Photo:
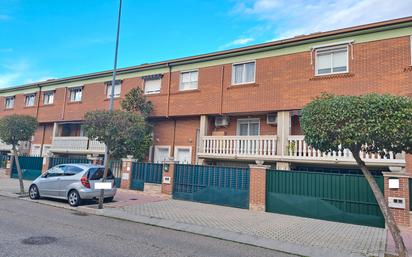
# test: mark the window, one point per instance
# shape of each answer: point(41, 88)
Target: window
point(48, 98)
point(152, 86)
point(29, 100)
point(97, 173)
point(183, 154)
point(332, 60)
point(161, 154)
point(9, 104)
point(248, 127)
point(243, 73)
point(188, 80)
point(410, 42)
point(56, 171)
point(117, 89)
point(71, 170)
point(76, 94)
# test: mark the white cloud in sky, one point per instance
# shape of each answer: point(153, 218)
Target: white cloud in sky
point(19, 72)
point(285, 19)
point(237, 42)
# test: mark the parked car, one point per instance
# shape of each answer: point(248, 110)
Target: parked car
point(74, 182)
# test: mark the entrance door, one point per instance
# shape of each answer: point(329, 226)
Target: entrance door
point(184, 155)
point(248, 127)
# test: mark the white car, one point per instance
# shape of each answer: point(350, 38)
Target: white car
point(74, 182)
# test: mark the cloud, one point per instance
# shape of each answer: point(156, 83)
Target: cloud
point(19, 72)
point(237, 42)
point(295, 17)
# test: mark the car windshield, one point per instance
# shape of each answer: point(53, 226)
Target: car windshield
point(97, 173)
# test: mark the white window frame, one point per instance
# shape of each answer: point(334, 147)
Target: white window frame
point(154, 92)
point(5, 102)
point(26, 97)
point(244, 73)
point(44, 97)
point(246, 120)
point(70, 94)
point(184, 148)
point(181, 80)
point(332, 48)
point(108, 90)
point(156, 147)
point(410, 44)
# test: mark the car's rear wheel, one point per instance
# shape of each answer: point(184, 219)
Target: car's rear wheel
point(34, 192)
point(74, 198)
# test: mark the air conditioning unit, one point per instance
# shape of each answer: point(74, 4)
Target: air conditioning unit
point(272, 118)
point(221, 121)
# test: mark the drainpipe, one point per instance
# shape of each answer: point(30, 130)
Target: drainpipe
point(64, 103)
point(168, 90)
point(38, 102)
point(174, 139)
point(221, 89)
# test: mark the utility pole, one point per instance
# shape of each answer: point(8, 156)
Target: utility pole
point(106, 152)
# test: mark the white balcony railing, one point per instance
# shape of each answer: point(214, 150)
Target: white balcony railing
point(264, 148)
point(4, 146)
point(239, 146)
point(299, 149)
point(76, 145)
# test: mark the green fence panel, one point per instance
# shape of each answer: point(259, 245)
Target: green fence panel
point(145, 173)
point(66, 160)
point(329, 196)
point(410, 194)
point(3, 160)
point(226, 186)
point(116, 168)
point(31, 167)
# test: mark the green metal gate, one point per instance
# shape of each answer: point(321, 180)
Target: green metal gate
point(116, 167)
point(328, 196)
point(145, 172)
point(31, 167)
point(211, 184)
point(53, 161)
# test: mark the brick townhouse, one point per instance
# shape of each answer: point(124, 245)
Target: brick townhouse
point(231, 107)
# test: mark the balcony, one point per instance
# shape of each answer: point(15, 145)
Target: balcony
point(4, 146)
point(297, 151)
point(76, 145)
point(238, 147)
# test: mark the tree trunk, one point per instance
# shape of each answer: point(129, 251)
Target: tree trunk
point(19, 172)
point(106, 171)
point(383, 205)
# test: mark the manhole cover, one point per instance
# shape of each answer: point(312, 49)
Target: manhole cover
point(133, 199)
point(39, 240)
point(80, 213)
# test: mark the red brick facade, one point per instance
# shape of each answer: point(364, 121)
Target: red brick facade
point(283, 82)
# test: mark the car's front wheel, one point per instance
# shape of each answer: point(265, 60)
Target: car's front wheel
point(34, 192)
point(74, 198)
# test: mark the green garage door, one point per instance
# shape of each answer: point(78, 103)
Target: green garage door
point(335, 197)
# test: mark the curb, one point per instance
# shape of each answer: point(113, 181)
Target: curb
point(199, 230)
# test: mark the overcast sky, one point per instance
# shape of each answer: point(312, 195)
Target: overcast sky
point(47, 39)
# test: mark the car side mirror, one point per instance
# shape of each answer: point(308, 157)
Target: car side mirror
point(44, 175)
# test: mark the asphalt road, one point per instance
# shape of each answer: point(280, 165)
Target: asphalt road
point(32, 229)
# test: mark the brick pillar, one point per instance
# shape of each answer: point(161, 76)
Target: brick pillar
point(408, 159)
point(394, 195)
point(126, 173)
point(46, 161)
point(9, 165)
point(167, 177)
point(257, 189)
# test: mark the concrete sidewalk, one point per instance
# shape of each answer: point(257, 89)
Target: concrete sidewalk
point(308, 237)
